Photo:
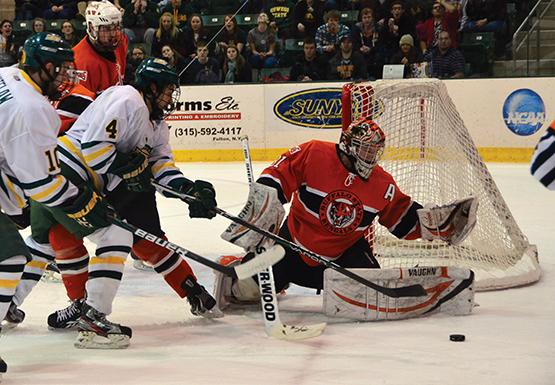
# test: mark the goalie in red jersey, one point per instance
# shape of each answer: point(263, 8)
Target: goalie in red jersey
point(336, 191)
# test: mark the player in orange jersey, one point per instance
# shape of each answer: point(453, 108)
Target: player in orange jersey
point(102, 52)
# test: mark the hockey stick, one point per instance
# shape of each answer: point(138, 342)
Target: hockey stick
point(394, 292)
point(242, 271)
point(270, 311)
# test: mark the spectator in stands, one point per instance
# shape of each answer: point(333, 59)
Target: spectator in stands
point(61, 9)
point(194, 33)
point(365, 41)
point(69, 34)
point(328, 35)
point(488, 16)
point(446, 61)
point(395, 25)
point(135, 57)
point(166, 34)
point(174, 59)
point(230, 35)
point(307, 15)
point(203, 69)
point(419, 9)
point(38, 25)
point(280, 13)
point(8, 49)
point(309, 66)
point(139, 21)
point(347, 65)
point(445, 17)
point(407, 54)
point(236, 69)
point(180, 10)
point(262, 44)
point(28, 9)
point(485, 16)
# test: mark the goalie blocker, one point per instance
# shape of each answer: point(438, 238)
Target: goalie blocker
point(450, 290)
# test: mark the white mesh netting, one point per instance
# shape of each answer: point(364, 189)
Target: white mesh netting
point(432, 157)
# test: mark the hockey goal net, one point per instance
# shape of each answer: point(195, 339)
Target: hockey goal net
point(432, 157)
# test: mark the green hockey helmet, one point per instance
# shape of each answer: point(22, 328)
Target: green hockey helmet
point(45, 47)
point(154, 70)
point(157, 71)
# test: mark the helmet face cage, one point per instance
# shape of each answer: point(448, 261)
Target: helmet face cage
point(43, 48)
point(156, 71)
point(104, 14)
point(364, 142)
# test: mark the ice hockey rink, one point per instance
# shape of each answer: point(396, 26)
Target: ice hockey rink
point(510, 337)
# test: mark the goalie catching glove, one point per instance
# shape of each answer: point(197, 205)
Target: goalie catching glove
point(450, 223)
point(200, 189)
point(264, 210)
point(134, 169)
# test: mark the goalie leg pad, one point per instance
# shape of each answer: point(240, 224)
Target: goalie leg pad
point(450, 290)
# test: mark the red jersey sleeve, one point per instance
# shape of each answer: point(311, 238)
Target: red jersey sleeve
point(399, 215)
point(287, 172)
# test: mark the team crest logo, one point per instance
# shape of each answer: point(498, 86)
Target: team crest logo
point(341, 212)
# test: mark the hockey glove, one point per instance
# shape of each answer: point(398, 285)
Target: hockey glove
point(450, 223)
point(134, 169)
point(203, 191)
point(22, 220)
point(88, 209)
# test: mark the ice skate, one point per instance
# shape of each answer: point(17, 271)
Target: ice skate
point(202, 303)
point(66, 318)
point(96, 332)
point(14, 316)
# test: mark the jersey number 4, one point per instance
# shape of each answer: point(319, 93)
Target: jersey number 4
point(111, 129)
point(53, 162)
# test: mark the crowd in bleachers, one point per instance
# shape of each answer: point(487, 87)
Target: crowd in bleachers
point(306, 40)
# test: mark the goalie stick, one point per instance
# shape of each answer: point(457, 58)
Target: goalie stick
point(394, 292)
point(245, 270)
point(270, 311)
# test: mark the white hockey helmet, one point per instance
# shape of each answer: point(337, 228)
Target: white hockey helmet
point(99, 13)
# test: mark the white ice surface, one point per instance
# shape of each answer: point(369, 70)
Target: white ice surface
point(510, 337)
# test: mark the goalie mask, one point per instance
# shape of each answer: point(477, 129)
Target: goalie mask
point(363, 142)
point(103, 25)
point(43, 48)
point(159, 85)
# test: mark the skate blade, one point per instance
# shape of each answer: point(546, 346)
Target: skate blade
point(91, 340)
point(51, 277)
point(141, 266)
point(215, 312)
point(7, 325)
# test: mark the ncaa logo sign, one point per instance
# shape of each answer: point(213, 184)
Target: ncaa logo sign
point(524, 112)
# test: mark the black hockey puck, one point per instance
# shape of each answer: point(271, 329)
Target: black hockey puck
point(457, 337)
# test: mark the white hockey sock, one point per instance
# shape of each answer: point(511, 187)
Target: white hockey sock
point(106, 268)
point(10, 274)
point(42, 254)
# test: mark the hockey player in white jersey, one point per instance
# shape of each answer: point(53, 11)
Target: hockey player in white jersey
point(122, 138)
point(28, 158)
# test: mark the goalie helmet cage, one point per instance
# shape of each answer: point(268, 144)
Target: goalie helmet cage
point(432, 157)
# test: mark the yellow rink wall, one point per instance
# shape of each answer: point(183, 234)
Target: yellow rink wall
point(210, 120)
